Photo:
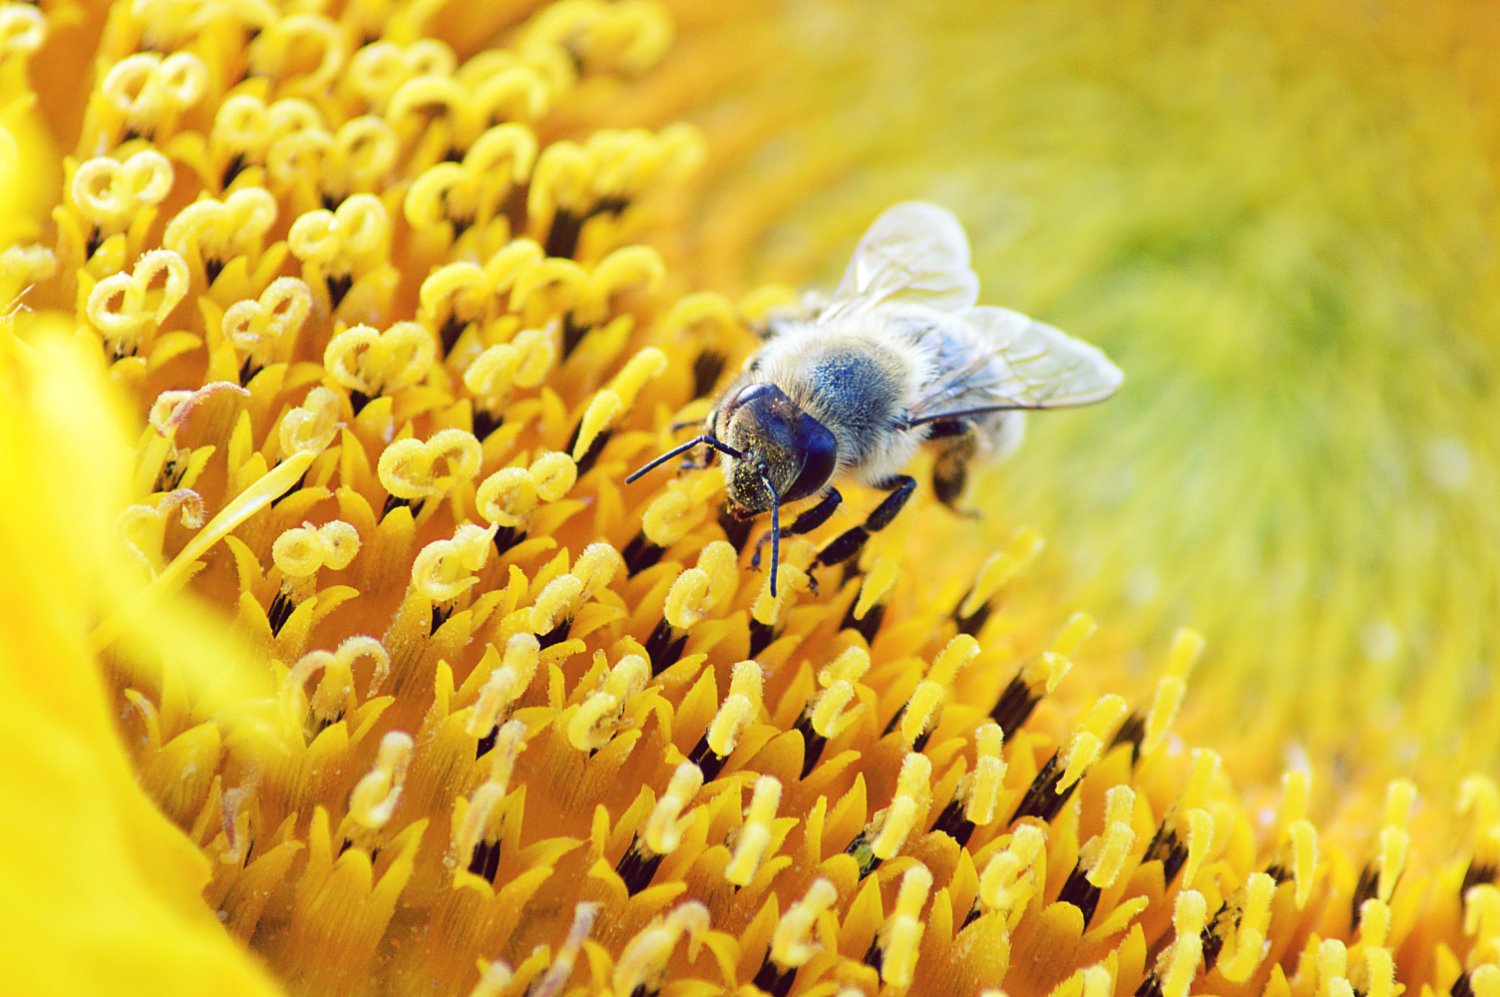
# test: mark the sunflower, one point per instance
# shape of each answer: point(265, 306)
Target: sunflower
point(340, 661)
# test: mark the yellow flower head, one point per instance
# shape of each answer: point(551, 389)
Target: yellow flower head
point(341, 662)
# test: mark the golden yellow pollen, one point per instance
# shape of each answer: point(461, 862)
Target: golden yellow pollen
point(755, 834)
point(793, 943)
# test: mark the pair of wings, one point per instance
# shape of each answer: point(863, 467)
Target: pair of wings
point(917, 254)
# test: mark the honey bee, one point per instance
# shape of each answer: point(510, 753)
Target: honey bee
point(900, 355)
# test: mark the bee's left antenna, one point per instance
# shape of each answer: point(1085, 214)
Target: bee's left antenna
point(684, 448)
point(775, 531)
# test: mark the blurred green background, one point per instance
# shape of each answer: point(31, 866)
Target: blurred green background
point(1280, 219)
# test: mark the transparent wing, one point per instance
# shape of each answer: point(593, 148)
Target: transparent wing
point(1022, 364)
point(914, 253)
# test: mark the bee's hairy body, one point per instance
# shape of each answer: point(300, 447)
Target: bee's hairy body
point(860, 380)
point(899, 355)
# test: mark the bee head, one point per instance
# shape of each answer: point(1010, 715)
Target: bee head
point(783, 447)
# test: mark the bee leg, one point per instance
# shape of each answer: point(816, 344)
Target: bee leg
point(809, 519)
point(951, 469)
point(851, 541)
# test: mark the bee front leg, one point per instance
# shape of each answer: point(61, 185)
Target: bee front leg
point(809, 519)
point(852, 541)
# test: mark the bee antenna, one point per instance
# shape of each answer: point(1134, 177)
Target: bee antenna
point(775, 530)
point(723, 448)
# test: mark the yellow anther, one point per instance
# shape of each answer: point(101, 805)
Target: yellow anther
point(1079, 628)
point(1245, 948)
point(420, 102)
point(1296, 786)
point(1097, 982)
point(643, 961)
point(598, 417)
point(957, 653)
point(1009, 878)
point(628, 677)
point(1400, 797)
point(908, 810)
point(556, 603)
point(364, 152)
point(281, 50)
point(1187, 648)
point(172, 408)
point(900, 937)
point(415, 469)
point(504, 153)
point(371, 362)
point(257, 327)
point(850, 666)
point(24, 265)
point(828, 717)
point(1046, 670)
point(1479, 798)
point(444, 569)
point(1000, 569)
point(299, 157)
point(443, 193)
point(378, 69)
point(721, 563)
point(1332, 962)
point(561, 178)
point(22, 30)
point(1088, 741)
point(596, 567)
point(242, 126)
point(1182, 958)
point(1304, 839)
point(687, 601)
point(143, 526)
point(480, 822)
point(222, 230)
point(646, 366)
point(740, 707)
point(555, 475)
point(548, 288)
point(754, 836)
point(1202, 770)
point(665, 825)
point(512, 261)
point(1379, 973)
point(355, 233)
point(794, 941)
point(510, 741)
point(111, 194)
point(1164, 706)
point(1484, 980)
point(594, 722)
point(1482, 913)
point(122, 306)
point(708, 311)
point(147, 90)
point(982, 792)
point(460, 287)
point(375, 796)
point(670, 516)
point(1105, 855)
point(506, 684)
point(630, 267)
point(508, 497)
point(1395, 844)
point(311, 426)
point(1200, 840)
point(512, 94)
point(301, 551)
point(921, 711)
